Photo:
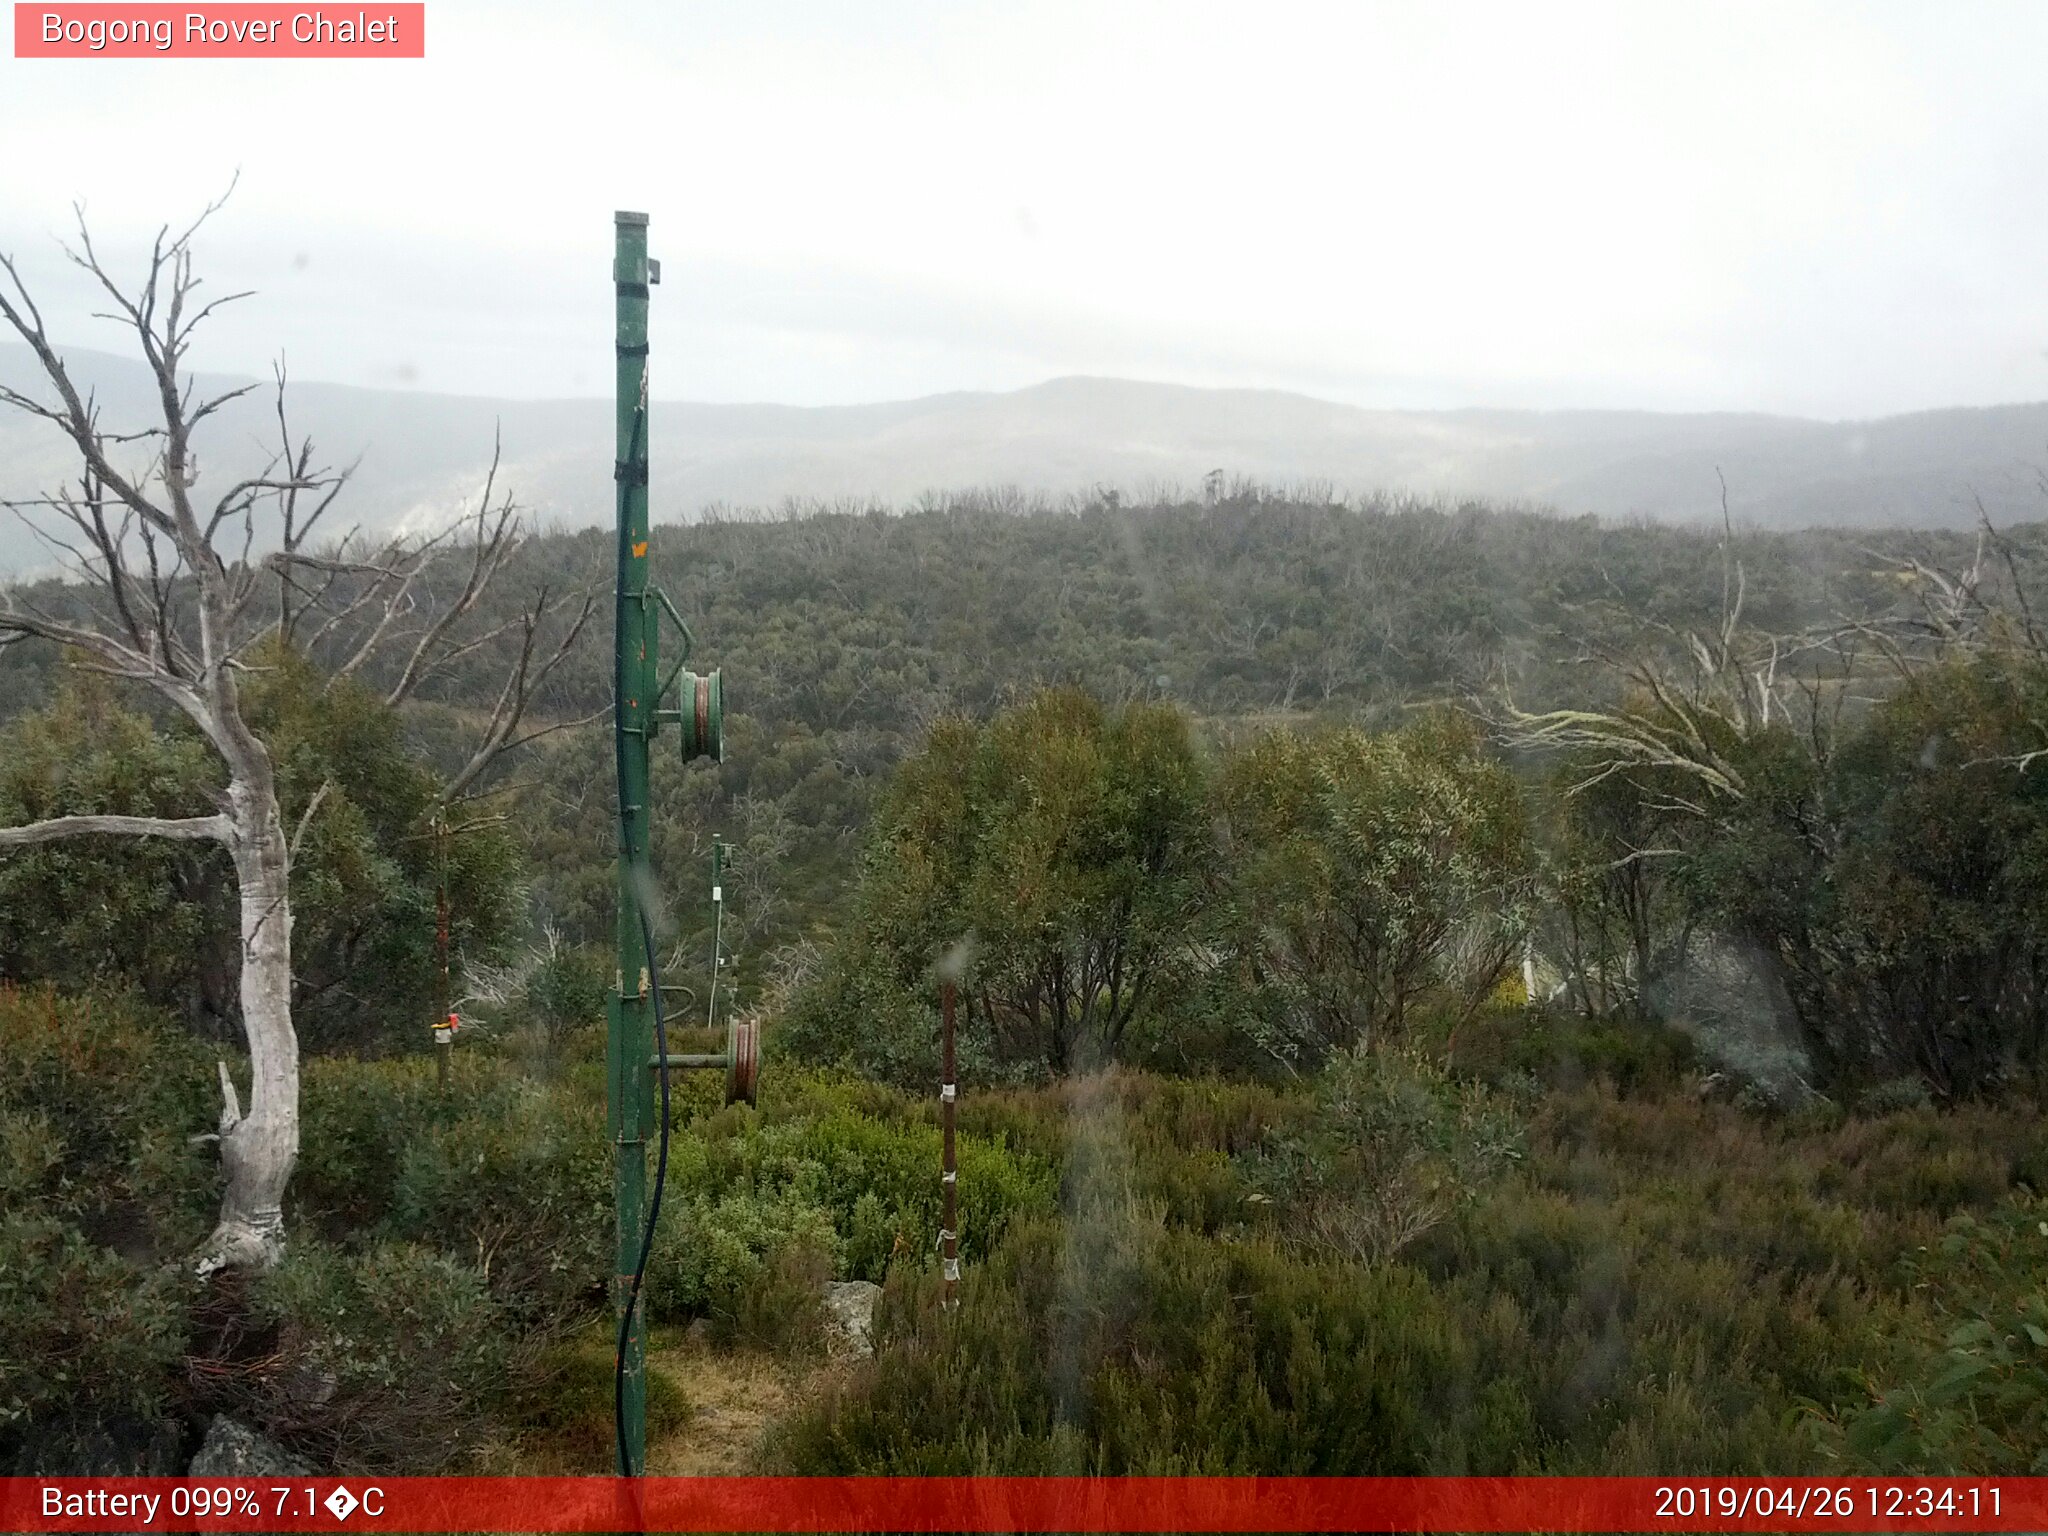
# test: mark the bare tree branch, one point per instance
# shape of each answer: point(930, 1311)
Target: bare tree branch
point(491, 544)
point(501, 735)
point(188, 828)
point(306, 816)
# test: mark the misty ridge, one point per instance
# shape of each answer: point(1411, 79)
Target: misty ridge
point(422, 455)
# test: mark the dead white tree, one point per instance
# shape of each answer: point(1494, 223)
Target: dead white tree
point(1692, 696)
point(170, 594)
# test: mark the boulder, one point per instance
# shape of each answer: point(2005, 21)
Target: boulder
point(233, 1450)
point(850, 1316)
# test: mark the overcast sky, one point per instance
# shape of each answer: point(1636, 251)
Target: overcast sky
point(1826, 210)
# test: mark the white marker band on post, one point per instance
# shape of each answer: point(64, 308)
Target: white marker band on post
point(949, 1177)
point(947, 1093)
point(948, 1236)
point(952, 1269)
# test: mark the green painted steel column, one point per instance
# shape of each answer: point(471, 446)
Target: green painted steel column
point(631, 1032)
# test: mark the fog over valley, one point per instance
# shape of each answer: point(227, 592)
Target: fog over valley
point(422, 454)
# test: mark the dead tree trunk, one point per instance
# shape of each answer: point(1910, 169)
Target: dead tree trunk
point(258, 1148)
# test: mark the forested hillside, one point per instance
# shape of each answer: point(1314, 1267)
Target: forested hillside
point(844, 635)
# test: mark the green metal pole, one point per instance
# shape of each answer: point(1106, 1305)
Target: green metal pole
point(630, 1040)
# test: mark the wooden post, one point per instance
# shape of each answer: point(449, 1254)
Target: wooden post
point(444, 1031)
point(949, 1176)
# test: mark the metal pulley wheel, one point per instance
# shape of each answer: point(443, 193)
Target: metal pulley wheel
point(742, 1060)
point(702, 715)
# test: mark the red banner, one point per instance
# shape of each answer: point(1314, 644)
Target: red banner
point(234, 31)
point(976, 1504)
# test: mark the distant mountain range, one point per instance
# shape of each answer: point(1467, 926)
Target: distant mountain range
point(422, 454)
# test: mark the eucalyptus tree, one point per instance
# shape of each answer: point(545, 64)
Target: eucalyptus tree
point(1366, 873)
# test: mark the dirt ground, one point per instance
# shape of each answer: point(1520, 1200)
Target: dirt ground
point(735, 1397)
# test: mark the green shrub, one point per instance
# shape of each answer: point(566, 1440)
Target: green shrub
point(1895, 1094)
point(31, 1158)
point(1396, 1147)
point(567, 990)
point(519, 1188)
point(1618, 1278)
point(1071, 841)
point(1372, 876)
point(102, 1100)
point(356, 1119)
point(1636, 1056)
point(855, 1014)
point(395, 1359)
point(1657, 1285)
point(881, 1180)
point(866, 1159)
point(1975, 1396)
point(784, 1307)
point(83, 1332)
point(159, 915)
point(1940, 1163)
point(1127, 1347)
point(567, 1395)
point(1685, 1279)
point(709, 1253)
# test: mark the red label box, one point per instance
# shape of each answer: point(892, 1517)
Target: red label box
point(234, 31)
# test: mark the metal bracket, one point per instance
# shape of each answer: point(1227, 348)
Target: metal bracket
point(668, 683)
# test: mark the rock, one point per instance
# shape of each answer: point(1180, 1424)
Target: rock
point(235, 1450)
point(850, 1316)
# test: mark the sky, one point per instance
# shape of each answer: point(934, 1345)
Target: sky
point(1825, 210)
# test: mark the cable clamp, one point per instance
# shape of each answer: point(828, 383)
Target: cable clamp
point(948, 1235)
point(630, 473)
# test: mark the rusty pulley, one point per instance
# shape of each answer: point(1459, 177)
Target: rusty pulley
point(742, 1060)
point(701, 714)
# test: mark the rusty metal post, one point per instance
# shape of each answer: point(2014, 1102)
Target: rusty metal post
point(949, 1175)
point(444, 1027)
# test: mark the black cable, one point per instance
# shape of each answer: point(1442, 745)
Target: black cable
point(654, 983)
point(653, 1206)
